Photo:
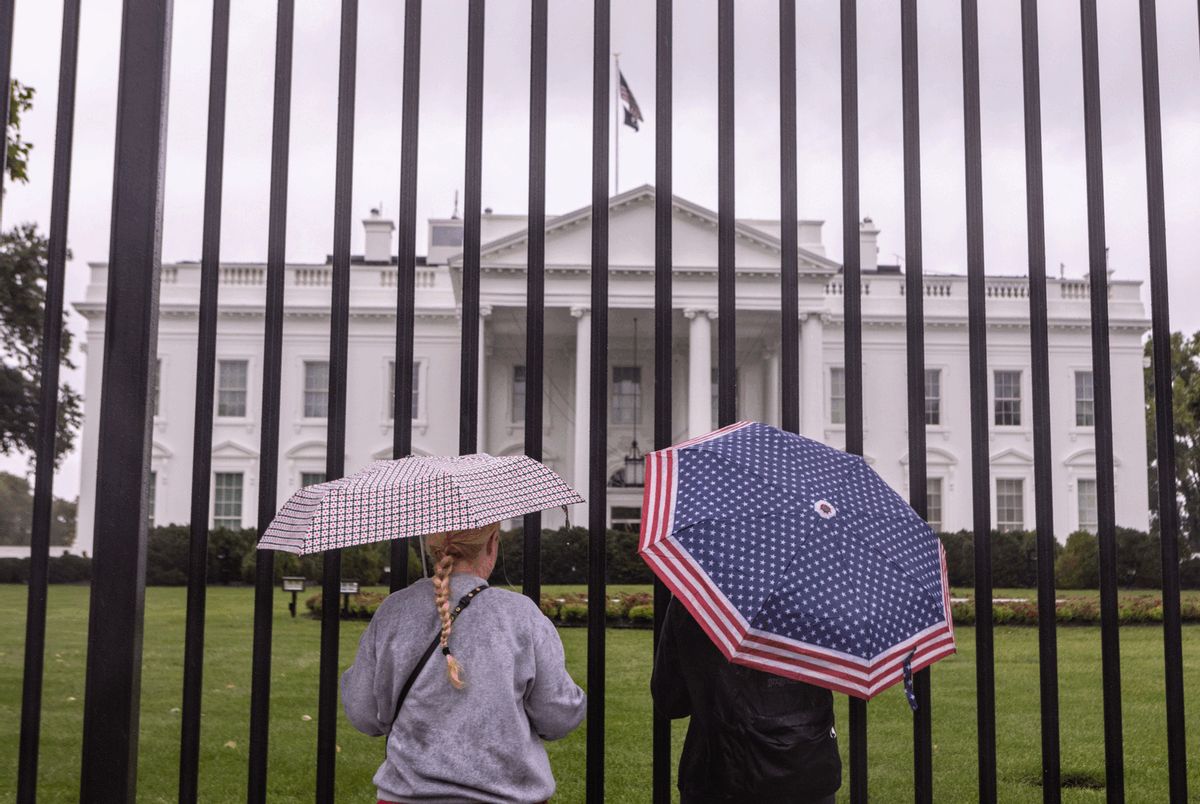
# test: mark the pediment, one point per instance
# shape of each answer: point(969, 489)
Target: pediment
point(934, 456)
point(1011, 457)
point(232, 449)
point(312, 450)
point(384, 453)
point(631, 228)
point(1085, 459)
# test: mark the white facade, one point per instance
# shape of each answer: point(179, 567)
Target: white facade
point(435, 424)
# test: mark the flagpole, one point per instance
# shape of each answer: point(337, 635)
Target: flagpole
point(617, 126)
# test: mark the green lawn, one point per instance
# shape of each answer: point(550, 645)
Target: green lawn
point(293, 743)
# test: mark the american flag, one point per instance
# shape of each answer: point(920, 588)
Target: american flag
point(797, 558)
point(633, 114)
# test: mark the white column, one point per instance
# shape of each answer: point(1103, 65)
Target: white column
point(482, 409)
point(812, 376)
point(699, 372)
point(583, 359)
point(771, 414)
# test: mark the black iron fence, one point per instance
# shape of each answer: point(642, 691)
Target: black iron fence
point(110, 725)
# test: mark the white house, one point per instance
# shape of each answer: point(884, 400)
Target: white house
point(437, 336)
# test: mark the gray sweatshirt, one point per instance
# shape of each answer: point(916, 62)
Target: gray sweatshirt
point(479, 743)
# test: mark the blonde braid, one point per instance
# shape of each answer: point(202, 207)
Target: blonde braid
point(441, 598)
point(450, 548)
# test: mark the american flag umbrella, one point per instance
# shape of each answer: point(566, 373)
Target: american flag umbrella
point(414, 497)
point(797, 558)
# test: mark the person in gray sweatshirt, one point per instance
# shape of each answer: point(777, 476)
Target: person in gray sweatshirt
point(471, 726)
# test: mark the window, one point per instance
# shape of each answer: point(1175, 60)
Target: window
point(1085, 400)
point(416, 390)
point(626, 518)
point(227, 500)
point(518, 394)
point(1089, 516)
point(626, 394)
point(155, 381)
point(1008, 398)
point(715, 396)
point(231, 388)
point(311, 478)
point(316, 389)
point(150, 499)
point(446, 234)
point(933, 497)
point(837, 395)
point(933, 396)
point(1010, 504)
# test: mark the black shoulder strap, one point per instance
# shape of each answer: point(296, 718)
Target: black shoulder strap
point(463, 602)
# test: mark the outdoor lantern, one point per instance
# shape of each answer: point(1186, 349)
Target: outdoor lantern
point(295, 585)
point(348, 588)
point(635, 466)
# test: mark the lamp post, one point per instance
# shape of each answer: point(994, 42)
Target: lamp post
point(635, 462)
point(295, 585)
point(348, 588)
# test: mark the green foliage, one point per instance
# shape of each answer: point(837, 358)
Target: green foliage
point(16, 514)
point(1077, 566)
point(642, 616)
point(23, 268)
point(20, 100)
point(1185, 388)
point(66, 568)
point(564, 556)
point(361, 606)
point(1014, 558)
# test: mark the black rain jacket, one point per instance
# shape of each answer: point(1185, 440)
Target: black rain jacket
point(753, 736)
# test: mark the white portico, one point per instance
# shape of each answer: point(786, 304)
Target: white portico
point(630, 389)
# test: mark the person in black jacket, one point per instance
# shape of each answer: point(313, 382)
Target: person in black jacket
point(753, 736)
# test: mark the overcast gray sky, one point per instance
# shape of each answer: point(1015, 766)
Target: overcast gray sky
point(376, 174)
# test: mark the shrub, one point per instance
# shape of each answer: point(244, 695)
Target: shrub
point(642, 615)
point(362, 605)
point(1077, 566)
point(574, 614)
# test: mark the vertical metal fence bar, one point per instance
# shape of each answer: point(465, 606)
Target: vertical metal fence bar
point(339, 336)
point(268, 467)
point(7, 12)
point(598, 405)
point(406, 266)
point(1039, 342)
point(210, 267)
point(535, 312)
point(664, 204)
point(468, 420)
point(114, 659)
point(726, 222)
point(789, 282)
point(1168, 506)
point(1105, 494)
point(51, 347)
point(852, 326)
point(915, 345)
point(985, 686)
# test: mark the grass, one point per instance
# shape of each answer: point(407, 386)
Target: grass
point(224, 733)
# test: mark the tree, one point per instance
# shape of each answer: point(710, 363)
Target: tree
point(1185, 387)
point(23, 265)
point(1077, 567)
point(17, 160)
point(16, 514)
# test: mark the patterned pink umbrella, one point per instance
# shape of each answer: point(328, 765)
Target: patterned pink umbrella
point(414, 497)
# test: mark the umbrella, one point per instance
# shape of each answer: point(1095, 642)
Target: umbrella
point(413, 497)
point(797, 558)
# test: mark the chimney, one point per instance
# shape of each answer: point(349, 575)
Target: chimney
point(377, 238)
point(868, 238)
